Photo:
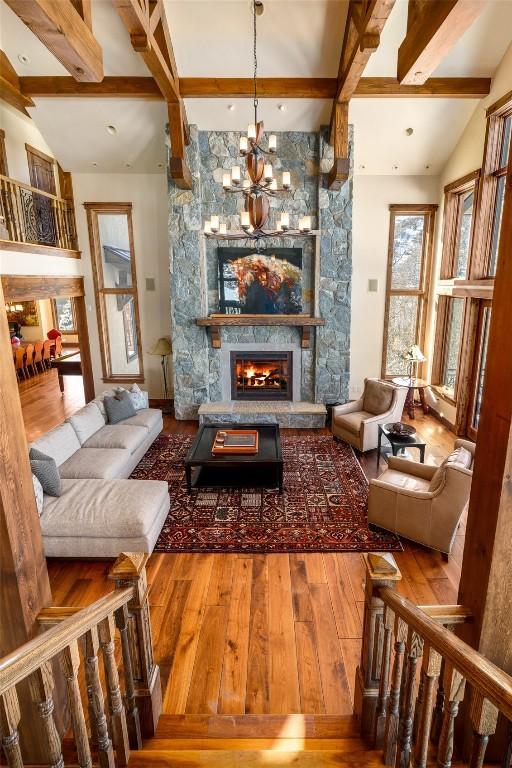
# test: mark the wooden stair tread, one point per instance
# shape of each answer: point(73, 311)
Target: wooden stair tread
point(254, 744)
point(257, 727)
point(360, 758)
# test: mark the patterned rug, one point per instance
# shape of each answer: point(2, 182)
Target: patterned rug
point(322, 508)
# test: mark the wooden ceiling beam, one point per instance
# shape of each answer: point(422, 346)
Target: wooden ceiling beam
point(268, 88)
point(10, 88)
point(433, 28)
point(67, 35)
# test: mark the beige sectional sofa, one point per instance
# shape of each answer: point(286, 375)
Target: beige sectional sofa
point(100, 512)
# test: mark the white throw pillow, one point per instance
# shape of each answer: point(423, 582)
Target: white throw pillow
point(86, 422)
point(38, 491)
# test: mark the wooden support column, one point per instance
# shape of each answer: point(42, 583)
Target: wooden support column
point(341, 165)
point(25, 585)
point(486, 578)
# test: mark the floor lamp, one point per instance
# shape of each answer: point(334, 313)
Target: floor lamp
point(163, 349)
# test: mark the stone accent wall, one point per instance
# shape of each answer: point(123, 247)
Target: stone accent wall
point(193, 266)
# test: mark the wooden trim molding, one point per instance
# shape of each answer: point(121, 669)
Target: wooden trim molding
point(466, 180)
point(500, 106)
point(41, 250)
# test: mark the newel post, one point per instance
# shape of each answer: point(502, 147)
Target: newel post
point(130, 570)
point(381, 571)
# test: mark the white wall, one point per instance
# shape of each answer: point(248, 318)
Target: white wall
point(370, 232)
point(148, 195)
point(20, 130)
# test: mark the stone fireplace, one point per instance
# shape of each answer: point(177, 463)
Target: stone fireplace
point(317, 358)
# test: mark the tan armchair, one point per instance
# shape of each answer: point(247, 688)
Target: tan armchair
point(423, 502)
point(358, 422)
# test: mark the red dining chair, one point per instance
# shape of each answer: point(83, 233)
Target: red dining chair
point(38, 356)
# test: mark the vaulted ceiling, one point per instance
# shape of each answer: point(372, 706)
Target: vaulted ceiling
point(296, 38)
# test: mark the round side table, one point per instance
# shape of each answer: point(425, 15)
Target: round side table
point(412, 385)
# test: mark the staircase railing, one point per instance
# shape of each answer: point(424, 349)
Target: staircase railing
point(33, 216)
point(75, 637)
point(413, 674)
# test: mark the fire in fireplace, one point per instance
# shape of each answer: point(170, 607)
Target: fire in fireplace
point(261, 376)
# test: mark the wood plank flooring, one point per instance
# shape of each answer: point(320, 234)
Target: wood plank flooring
point(259, 634)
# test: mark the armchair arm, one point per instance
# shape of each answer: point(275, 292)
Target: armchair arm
point(350, 407)
point(420, 495)
point(425, 471)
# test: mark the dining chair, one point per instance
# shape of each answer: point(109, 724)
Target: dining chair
point(29, 359)
point(57, 350)
point(47, 353)
point(38, 356)
point(19, 362)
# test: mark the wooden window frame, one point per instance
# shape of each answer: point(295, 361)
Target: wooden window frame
point(483, 305)
point(4, 168)
point(49, 159)
point(55, 317)
point(422, 292)
point(451, 225)
point(440, 348)
point(93, 210)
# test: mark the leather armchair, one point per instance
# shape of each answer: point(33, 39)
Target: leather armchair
point(358, 422)
point(421, 502)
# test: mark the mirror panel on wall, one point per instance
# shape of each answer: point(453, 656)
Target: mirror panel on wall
point(115, 284)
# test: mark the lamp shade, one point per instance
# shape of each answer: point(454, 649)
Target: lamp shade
point(414, 355)
point(162, 348)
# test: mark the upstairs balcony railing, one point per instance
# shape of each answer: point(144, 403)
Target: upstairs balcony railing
point(32, 216)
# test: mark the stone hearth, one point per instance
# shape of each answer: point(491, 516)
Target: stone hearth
point(286, 414)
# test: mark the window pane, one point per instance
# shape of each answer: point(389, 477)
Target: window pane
point(64, 315)
point(402, 322)
point(505, 146)
point(466, 201)
point(121, 334)
point(481, 367)
point(115, 250)
point(496, 227)
point(407, 251)
point(452, 342)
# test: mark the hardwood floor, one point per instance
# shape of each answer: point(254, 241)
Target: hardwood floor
point(257, 634)
point(43, 404)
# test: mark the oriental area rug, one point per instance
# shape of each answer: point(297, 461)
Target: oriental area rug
point(322, 508)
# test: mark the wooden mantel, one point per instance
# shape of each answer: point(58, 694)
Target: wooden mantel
point(215, 323)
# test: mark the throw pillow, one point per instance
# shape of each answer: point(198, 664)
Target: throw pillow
point(119, 407)
point(38, 492)
point(46, 471)
point(139, 398)
point(378, 397)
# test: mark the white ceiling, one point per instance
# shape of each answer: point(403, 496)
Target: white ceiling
point(296, 38)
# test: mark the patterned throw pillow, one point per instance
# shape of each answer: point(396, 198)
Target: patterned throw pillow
point(119, 407)
point(46, 471)
point(38, 492)
point(139, 398)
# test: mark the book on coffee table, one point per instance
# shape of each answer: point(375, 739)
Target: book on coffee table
point(235, 441)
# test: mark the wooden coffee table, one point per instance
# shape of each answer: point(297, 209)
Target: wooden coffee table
point(261, 470)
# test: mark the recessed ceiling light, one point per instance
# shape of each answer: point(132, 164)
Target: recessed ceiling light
point(128, 165)
point(231, 107)
point(281, 107)
point(95, 164)
point(395, 167)
point(362, 167)
point(409, 131)
point(23, 58)
point(160, 165)
point(427, 167)
point(111, 129)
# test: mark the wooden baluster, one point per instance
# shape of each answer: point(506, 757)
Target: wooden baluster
point(41, 687)
point(132, 713)
point(115, 699)
point(484, 718)
point(430, 670)
point(70, 664)
point(392, 720)
point(130, 570)
point(437, 716)
point(96, 700)
point(414, 652)
point(454, 685)
point(9, 723)
point(382, 701)
point(380, 572)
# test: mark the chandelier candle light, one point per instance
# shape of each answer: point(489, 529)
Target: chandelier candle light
point(260, 185)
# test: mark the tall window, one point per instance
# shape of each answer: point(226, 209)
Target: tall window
point(409, 261)
point(459, 209)
point(64, 315)
point(450, 319)
point(480, 361)
point(115, 284)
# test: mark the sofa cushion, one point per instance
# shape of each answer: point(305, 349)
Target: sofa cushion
point(99, 463)
point(129, 438)
point(377, 397)
point(46, 471)
point(404, 481)
point(352, 421)
point(149, 418)
point(86, 422)
point(103, 508)
point(119, 407)
point(60, 443)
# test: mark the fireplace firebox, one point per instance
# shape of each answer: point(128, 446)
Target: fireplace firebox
point(261, 376)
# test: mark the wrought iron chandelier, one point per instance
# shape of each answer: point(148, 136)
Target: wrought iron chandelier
point(260, 183)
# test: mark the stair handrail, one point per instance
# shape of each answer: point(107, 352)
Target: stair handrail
point(396, 713)
point(134, 712)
